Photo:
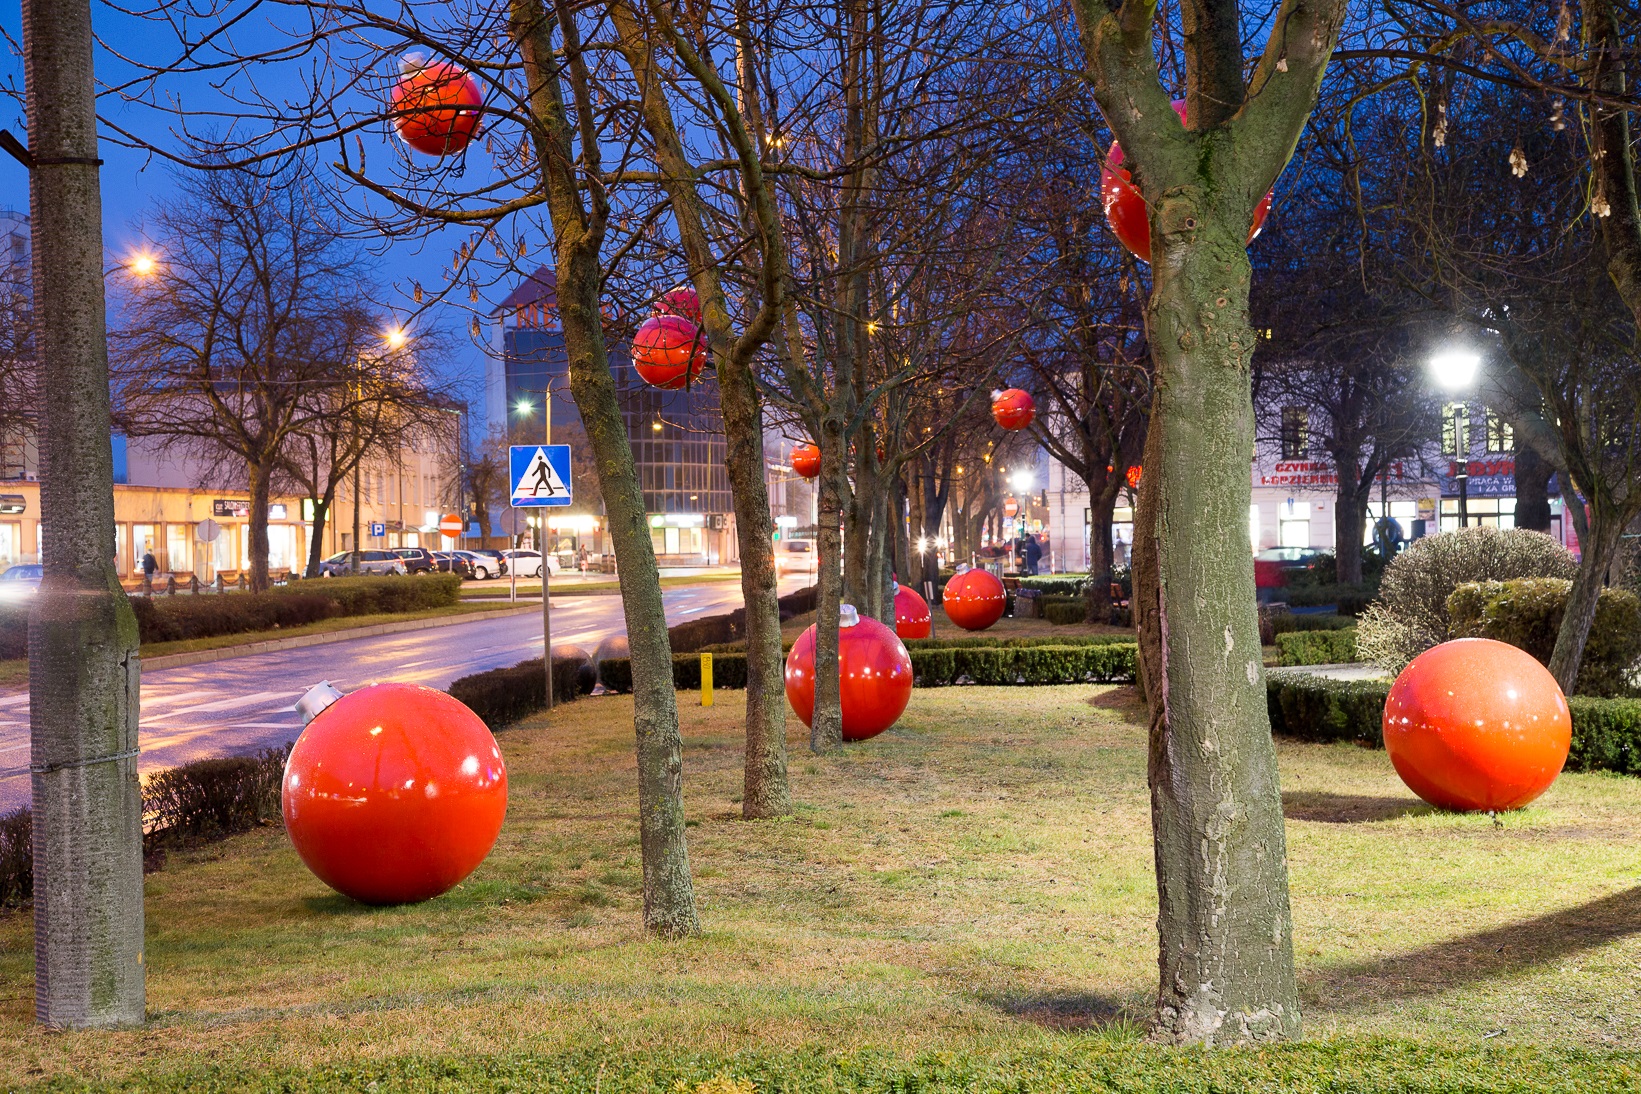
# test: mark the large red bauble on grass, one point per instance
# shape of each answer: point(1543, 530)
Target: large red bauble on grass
point(912, 616)
point(668, 351)
point(1477, 725)
point(437, 105)
point(683, 301)
point(806, 460)
point(1013, 409)
point(1125, 209)
point(394, 793)
point(974, 599)
point(874, 676)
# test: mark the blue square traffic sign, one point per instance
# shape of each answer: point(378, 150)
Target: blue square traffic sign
point(540, 475)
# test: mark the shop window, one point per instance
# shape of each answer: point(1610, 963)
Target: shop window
point(1294, 524)
point(1295, 432)
point(122, 549)
point(176, 548)
point(143, 541)
point(1500, 436)
point(11, 536)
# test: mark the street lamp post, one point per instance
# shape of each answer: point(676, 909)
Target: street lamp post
point(1455, 370)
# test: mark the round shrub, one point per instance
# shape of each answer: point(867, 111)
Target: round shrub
point(1527, 614)
point(1410, 614)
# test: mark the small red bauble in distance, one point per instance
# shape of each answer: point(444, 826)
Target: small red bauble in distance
point(912, 616)
point(1013, 409)
point(394, 794)
point(974, 598)
point(1125, 209)
point(874, 676)
point(437, 105)
point(668, 351)
point(1134, 473)
point(1477, 725)
point(806, 460)
point(683, 301)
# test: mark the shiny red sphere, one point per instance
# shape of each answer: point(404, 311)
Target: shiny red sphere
point(912, 616)
point(437, 106)
point(974, 599)
point(874, 678)
point(1477, 725)
point(1125, 209)
point(683, 301)
point(394, 793)
point(806, 460)
point(668, 351)
point(1014, 409)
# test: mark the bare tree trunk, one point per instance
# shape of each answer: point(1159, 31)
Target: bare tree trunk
point(1349, 521)
point(826, 726)
point(1598, 543)
point(256, 530)
point(1100, 608)
point(83, 663)
point(1532, 489)
point(316, 543)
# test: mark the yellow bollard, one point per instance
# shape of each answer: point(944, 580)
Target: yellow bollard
point(706, 679)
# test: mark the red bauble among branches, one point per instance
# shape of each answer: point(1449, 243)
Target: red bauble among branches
point(437, 105)
point(668, 351)
point(874, 676)
point(1014, 408)
point(806, 460)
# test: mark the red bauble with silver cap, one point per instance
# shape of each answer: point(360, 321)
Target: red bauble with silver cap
point(683, 301)
point(806, 460)
point(974, 599)
point(437, 105)
point(392, 794)
point(668, 351)
point(912, 616)
point(874, 675)
point(1125, 209)
point(1013, 409)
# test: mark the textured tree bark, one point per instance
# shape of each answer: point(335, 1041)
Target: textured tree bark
point(316, 541)
point(1349, 517)
point(1532, 489)
point(826, 726)
point(669, 894)
point(1100, 608)
point(1598, 544)
point(256, 530)
point(83, 664)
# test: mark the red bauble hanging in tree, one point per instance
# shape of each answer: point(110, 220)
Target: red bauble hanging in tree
point(683, 301)
point(874, 676)
point(1477, 725)
point(912, 616)
point(394, 793)
point(668, 351)
point(806, 460)
point(437, 105)
point(1125, 209)
point(974, 598)
point(1013, 409)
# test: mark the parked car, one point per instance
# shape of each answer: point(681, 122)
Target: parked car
point(418, 560)
point(481, 567)
point(498, 558)
point(370, 562)
point(1274, 565)
point(447, 563)
point(795, 554)
point(528, 563)
point(20, 582)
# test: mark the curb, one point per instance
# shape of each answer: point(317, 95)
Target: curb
point(205, 657)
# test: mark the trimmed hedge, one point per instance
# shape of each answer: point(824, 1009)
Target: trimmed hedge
point(1350, 599)
point(1065, 612)
point(1606, 732)
point(1043, 663)
point(980, 641)
point(13, 633)
point(16, 858)
point(1285, 622)
point(1323, 647)
point(504, 696)
point(377, 595)
point(1527, 613)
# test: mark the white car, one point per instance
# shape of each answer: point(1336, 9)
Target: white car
point(21, 582)
point(794, 555)
point(527, 563)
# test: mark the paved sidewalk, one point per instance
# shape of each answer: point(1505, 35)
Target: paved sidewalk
point(1358, 670)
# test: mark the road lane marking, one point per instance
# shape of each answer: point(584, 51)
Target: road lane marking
point(237, 701)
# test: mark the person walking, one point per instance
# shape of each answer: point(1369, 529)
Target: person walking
point(149, 566)
point(1033, 553)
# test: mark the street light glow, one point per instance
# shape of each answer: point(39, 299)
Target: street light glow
point(143, 264)
point(524, 407)
point(1455, 368)
point(395, 337)
point(1022, 481)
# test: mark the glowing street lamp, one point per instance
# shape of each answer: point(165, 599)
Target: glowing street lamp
point(395, 337)
point(143, 264)
point(1455, 370)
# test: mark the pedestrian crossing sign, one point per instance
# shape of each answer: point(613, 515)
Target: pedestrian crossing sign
point(540, 474)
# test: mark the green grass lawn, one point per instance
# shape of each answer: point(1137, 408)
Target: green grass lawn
point(15, 673)
point(964, 903)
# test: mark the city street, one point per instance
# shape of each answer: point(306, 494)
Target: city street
point(246, 703)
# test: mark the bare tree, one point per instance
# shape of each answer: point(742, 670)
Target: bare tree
point(19, 372)
point(83, 663)
point(251, 331)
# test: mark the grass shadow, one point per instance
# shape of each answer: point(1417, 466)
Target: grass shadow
point(1481, 955)
point(1064, 1011)
point(1317, 805)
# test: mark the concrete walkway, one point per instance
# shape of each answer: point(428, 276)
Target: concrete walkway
point(1358, 670)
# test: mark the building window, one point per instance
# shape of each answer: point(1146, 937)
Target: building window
point(1455, 416)
point(1294, 524)
point(1295, 432)
point(1500, 437)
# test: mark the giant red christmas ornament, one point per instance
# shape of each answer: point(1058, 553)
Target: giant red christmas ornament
point(874, 676)
point(912, 616)
point(806, 460)
point(668, 351)
point(1125, 209)
point(974, 598)
point(394, 793)
point(1476, 724)
point(683, 301)
point(437, 105)
point(1013, 409)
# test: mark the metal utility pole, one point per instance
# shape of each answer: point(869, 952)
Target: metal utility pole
point(546, 601)
point(83, 660)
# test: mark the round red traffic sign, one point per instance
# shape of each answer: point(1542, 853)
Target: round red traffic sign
point(1011, 508)
point(450, 526)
